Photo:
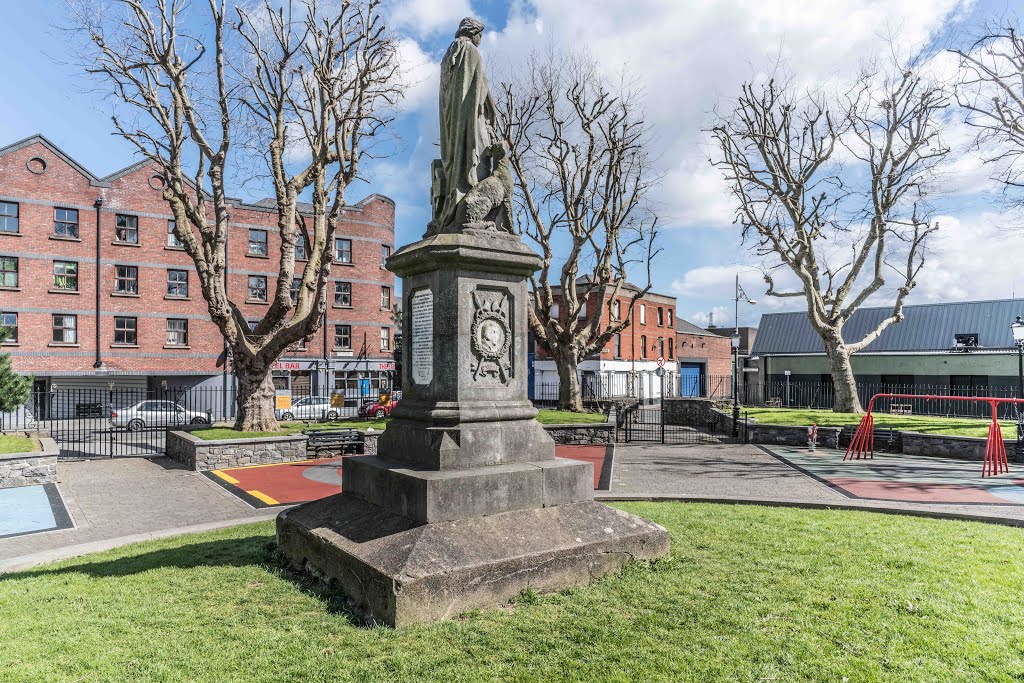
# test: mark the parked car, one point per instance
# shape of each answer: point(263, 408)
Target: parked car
point(309, 408)
point(155, 414)
point(377, 409)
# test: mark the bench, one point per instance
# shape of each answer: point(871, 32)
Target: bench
point(901, 409)
point(886, 439)
point(773, 403)
point(333, 440)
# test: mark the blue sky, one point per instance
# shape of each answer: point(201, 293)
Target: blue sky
point(686, 54)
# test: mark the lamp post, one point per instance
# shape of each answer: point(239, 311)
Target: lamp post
point(740, 296)
point(1017, 328)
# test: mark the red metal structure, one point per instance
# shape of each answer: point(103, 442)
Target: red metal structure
point(863, 443)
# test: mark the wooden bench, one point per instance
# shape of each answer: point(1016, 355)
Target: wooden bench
point(773, 403)
point(886, 439)
point(901, 409)
point(333, 440)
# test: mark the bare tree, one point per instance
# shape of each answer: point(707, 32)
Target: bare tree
point(312, 76)
point(992, 94)
point(578, 147)
point(838, 230)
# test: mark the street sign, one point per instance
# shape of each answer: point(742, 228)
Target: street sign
point(661, 361)
point(660, 372)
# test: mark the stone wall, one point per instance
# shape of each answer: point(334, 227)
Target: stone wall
point(689, 412)
point(778, 435)
point(199, 455)
point(29, 469)
point(961, 447)
point(370, 442)
point(581, 434)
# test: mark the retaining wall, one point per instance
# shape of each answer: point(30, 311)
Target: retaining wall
point(577, 434)
point(30, 469)
point(199, 455)
point(960, 447)
point(785, 435)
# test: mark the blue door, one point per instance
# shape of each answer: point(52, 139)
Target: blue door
point(690, 375)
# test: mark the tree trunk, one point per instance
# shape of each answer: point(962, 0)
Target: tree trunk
point(255, 398)
point(569, 394)
point(846, 398)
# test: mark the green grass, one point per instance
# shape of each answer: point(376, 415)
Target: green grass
point(17, 444)
point(289, 428)
point(951, 426)
point(747, 594)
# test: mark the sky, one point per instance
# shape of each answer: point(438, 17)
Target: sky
point(686, 54)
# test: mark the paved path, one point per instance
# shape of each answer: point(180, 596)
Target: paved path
point(731, 473)
point(127, 498)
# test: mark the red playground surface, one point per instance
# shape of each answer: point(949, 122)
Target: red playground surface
point(298, 482)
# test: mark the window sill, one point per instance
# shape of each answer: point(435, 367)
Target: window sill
point(6, 233)
point(171, 297)
point(344, 308)
point(257, 302)
point(176, 346)
point(342, 349)
point(135, 245)
point(170, 248)
point(124, 295)
point(64, 345)
point(257, 256)
point(10, 289)
point(73, 292)
point(62, 238)
point(124, 346)
point(10, 344)
point(343, 263)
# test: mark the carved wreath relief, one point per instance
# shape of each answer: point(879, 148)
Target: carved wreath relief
point(491, 336)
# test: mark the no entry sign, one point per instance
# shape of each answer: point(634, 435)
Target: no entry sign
point(661, 361)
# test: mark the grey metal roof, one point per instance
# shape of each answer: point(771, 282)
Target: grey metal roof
point(686, 327)
point(925, 327)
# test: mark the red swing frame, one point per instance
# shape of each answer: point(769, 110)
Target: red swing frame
point(863, 443)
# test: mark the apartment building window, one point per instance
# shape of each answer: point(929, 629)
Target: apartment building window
point(177, 332)
point(342, 250)
point(670, 323)
point(126, 229)
point(643, 314)
point(343, 294)
point(385, 298)
point(9, 322)
point(301, 249)
point(385, 339)
point(343, 336)
point(583, 310)
point(65, 223)
point(8, 271)
point(618, 346)
point(126, 279)
point(257, 288)
point(616, 310)
point(257, 243)
point(643, 344)
point(294, 291)
point(65, 329)
point(671, 349)
point(385, 253)
point(172, 240)
point(126, 331)
point(177, 283)
point(8, 217)
point(661, 316)
point(65, 276)
point(661, 347)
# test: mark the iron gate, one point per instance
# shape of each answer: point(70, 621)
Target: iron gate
point(647, 424)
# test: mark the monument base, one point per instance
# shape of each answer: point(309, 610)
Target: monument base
point(397, 572)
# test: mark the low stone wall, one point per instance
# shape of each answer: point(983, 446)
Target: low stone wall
point(30, 469)
point(784, 435)
point(370, 442)
point(960, 447)
point(199, 455)
point(689, 412)
point(581, 434)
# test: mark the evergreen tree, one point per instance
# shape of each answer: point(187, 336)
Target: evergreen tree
point(14, 388)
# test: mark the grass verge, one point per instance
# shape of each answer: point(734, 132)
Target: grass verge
point(17, 444)
point(950, 426)
point(747, 594)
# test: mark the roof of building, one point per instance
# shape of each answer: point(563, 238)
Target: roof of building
point(925, 327)
point(583, 282)
point(686, 327)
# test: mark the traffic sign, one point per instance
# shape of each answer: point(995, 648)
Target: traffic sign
point(660, 372)
point(661, 361)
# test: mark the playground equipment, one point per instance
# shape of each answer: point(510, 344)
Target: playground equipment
point(863, 443)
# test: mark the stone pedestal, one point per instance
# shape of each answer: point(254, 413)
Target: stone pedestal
point(465, 504)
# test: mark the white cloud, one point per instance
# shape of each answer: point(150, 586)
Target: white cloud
point(426, 17)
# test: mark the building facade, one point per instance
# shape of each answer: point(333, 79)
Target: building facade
point(628, 364)
point(965, 348)
point(100, 293)
point(705, 361)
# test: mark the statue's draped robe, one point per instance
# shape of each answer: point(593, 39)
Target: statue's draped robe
point(467, 122)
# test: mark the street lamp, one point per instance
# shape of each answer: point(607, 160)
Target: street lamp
point(735, 394)
point(1017, 328)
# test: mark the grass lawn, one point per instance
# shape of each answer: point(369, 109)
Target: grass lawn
point(214, 433)
point(953, 426)
point(747, 594)
point(17, 444)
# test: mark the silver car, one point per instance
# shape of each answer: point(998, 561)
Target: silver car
point(309, 408)
point(154, 414)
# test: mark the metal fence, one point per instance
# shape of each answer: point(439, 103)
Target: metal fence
point(821, 395)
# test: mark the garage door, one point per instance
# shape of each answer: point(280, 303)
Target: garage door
point(690, 376)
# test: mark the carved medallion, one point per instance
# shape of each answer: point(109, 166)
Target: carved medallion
point(491, 336)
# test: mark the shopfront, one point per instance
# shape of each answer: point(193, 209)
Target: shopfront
point(359, 380)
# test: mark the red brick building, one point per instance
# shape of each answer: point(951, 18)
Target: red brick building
point(633, 353)
point(154, 328)
point(705, 361)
